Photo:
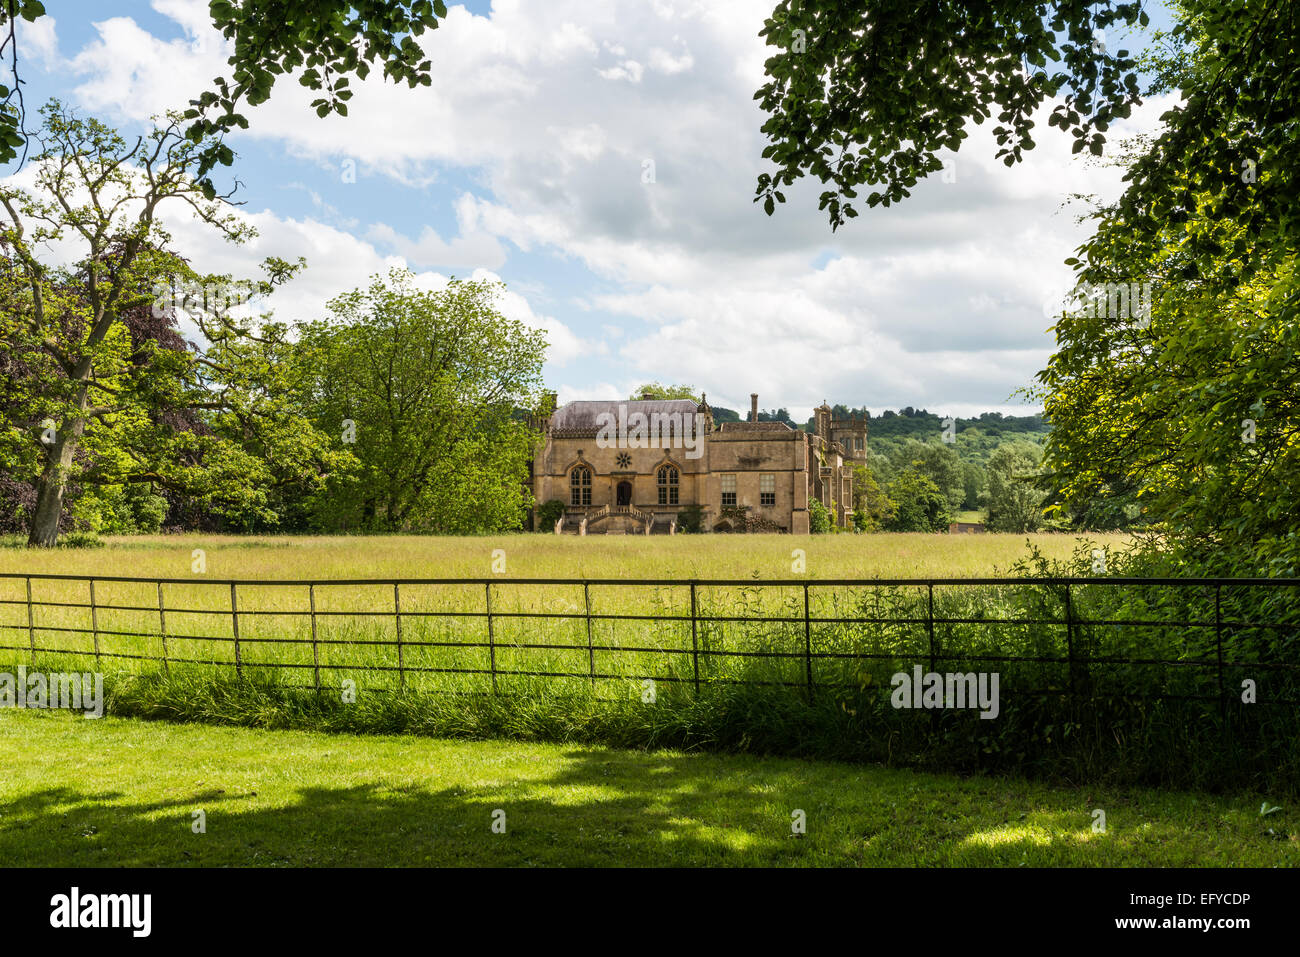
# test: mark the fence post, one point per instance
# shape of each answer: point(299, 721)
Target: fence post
point(94, 622)
point(162, 629)
point(31, 627)
point(929, 625)
point(315, 650)
point(695, 642)
point(397, 619)
point(807, 643)
point(1069, 637)
point(591, 652)
point(234, 621)
point(492, 647)
point(1218, 641)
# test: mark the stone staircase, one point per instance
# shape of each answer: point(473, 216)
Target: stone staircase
point(611, 520)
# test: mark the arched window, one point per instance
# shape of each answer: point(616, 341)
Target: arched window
point(668, 484)
point(580, 485)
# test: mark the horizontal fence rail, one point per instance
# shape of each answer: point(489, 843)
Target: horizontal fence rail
point(1188, 639)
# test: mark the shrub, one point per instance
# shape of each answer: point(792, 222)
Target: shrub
point(691, 519)
point(548, 513)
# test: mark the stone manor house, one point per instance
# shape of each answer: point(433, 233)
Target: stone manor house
point(629, 467)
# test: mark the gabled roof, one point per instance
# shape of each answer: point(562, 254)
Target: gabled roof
point(584, 416)
point(754, 427)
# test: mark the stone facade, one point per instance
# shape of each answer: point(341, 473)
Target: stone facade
point(629, 467)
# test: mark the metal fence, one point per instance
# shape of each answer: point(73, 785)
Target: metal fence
point(1202, 615)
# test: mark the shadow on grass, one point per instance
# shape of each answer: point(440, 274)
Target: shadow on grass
point(599, 809)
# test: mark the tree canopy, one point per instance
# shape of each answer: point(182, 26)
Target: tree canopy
point(422, 386)
point(99, 387)
point(1191, 415)
point(324, 43)
point(1186, 416)
point(868, 93)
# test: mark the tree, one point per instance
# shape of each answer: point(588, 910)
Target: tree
point(871, 506)
point(1166, 413)
point(1015, 502)
point(776, 415)
point(422, 387)
point(657, 390)
point(99, 389)
point(974, 482)
point(322, 42)
point(1195, 417)
point(1222, 173)
point(919, 504)
point(1190, 412)
point(819, 517)
point(869, 93)
point(940, 464)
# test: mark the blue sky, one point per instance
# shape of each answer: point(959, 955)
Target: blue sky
point(526, 161)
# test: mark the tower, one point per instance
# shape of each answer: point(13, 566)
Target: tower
point(822, 418)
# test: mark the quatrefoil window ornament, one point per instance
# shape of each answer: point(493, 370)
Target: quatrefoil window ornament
point(624, 460)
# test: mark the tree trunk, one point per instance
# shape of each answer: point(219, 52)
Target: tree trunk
point(49, 501)
point(52, 485)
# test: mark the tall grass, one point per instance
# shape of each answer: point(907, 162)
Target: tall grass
point(546, 556)
point(1153, 704)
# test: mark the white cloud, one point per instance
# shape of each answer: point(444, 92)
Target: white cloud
point(554, 108)
point(665, 62)
point(338, 261)
point(628, 70)
point(472, 248)
point(564, 346)
point(134, 74)
point(39, 40)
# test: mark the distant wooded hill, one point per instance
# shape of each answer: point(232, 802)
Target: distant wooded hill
point(910, 423)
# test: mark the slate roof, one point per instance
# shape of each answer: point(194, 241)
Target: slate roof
point(754, 427)
point(582, 416)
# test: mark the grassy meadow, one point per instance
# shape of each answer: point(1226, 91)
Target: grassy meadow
point(622, 664)
point(548, 556)
point(287, 798)
point(440, 643)
point(290, 775)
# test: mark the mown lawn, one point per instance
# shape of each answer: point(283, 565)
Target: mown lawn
point(114, 792)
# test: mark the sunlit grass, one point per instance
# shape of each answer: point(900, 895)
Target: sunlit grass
point(293, 799)
point(549, 556)
point(135, 625)
point(567, 677)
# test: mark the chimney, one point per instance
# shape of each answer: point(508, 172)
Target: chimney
point(646, 395)
point(753, 407)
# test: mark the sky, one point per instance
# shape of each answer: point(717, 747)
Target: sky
point(528, 161)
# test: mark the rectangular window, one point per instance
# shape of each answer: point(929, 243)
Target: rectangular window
point(767, 490)
point(728, 490)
